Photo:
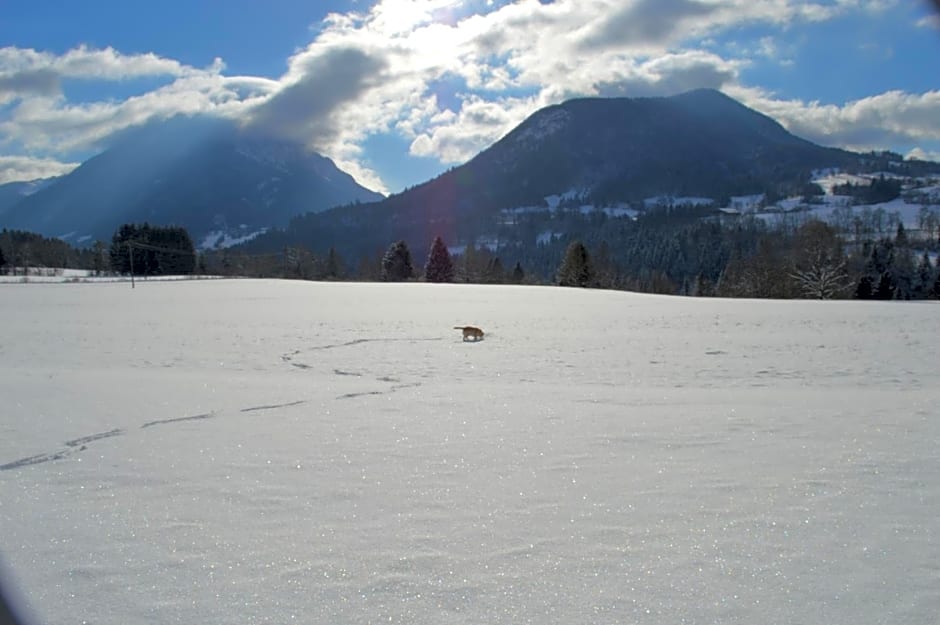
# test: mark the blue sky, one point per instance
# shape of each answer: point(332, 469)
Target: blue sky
point(397, 91)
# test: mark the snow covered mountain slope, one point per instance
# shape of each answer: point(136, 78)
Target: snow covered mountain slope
point(260, 451)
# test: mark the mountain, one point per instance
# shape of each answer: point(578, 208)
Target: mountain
point(12, 193)
point(595, 151)
point(700, 143)
point(204, 174)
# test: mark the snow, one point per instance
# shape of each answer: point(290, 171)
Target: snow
point(833, 179)
point(620, 210)
point(746, 203)
point(908, 213)
point(932, 191)
point(546, 236)
point(669, 200)
point(271, 452)
point(220, 239)
point(542, 126)
point(49, 275)
point(553, 201)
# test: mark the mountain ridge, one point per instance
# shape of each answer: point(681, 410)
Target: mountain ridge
point(604, 151)
point(201, 173)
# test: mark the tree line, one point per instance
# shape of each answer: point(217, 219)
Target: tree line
point(682, 250)
point(21, 251)
point(147, 250)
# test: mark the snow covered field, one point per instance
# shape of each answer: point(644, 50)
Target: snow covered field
point(277, 452)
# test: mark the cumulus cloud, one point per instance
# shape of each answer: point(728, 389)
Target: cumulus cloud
point(38, 82)
point(921, 154)
point(671, 74)
point(891, 118)
point(326, 80)
point(373, 72)
point(376, 71)
point(646, 22)
point(52, 124)
point(25, 72)
point(457, 137)
point(13, 168)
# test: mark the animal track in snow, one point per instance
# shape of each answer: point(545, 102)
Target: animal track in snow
point(197, 417)
point(73, 446)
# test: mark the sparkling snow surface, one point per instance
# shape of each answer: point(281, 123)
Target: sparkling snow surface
point(279, 452)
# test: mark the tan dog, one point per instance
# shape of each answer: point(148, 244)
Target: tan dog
point(470, 332)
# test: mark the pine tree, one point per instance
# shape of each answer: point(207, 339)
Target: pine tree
point(3, 260)
point(865, 289)
point(923, 278)
point(439, 266)
point(900, 237)
point(98, 258)
point(494, 274)
point(518, 275)
point(156, 250)
point(576, 268)
point(334, 264)
point(396, 264)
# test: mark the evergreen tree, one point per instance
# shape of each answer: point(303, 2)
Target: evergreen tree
point(156, 250)
point(98, 260)
point(494, 274)
point(3, 260)
point(576, 269)
point(334, 265)
point(900, 237)
point(518, 275)
point(886, 288)
point(865, 289)
point(396, 264)
point(880, 269)
point(605, 268)
point(935, 292)
point(923, 278)
point(439, 266)
point(120, 248)
point(467, 263)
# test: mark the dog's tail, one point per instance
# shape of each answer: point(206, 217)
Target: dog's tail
point(460, 327)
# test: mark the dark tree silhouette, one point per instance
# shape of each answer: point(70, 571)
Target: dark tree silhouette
point(333, 268)
point(576, 268)
point(439, 266)
point(396, 264)
point(157, 250)
point(518, 275)
point(494, 274)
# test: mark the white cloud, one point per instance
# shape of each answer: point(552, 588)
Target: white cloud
point(13, 168)
point(372, 72)
point(891, 118)
point(923, 155)
point(376, 71)
point(454, 138)
point(930, 21)
point(54, 125)
point(25, 72)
